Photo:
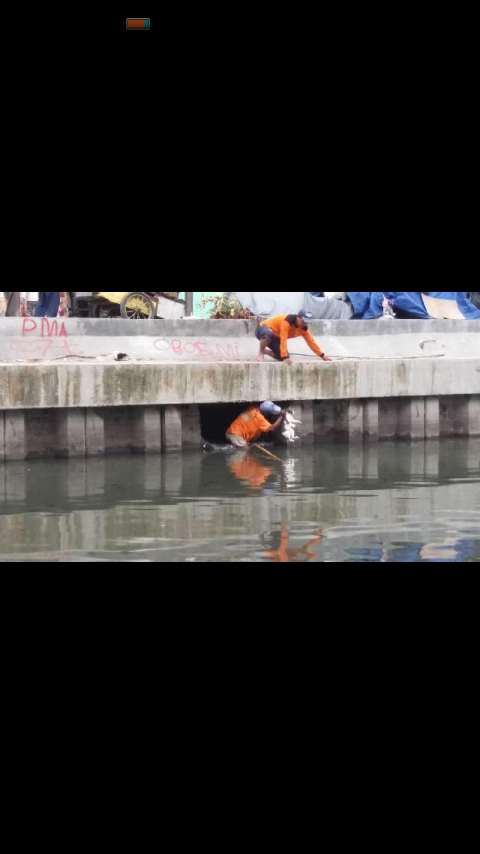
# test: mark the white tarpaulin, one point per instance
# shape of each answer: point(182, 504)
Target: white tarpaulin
point(328, 309)
point(271, 304)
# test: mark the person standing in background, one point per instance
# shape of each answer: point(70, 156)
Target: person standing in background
point(63, 311)
point(29, 302)
point(48, 304)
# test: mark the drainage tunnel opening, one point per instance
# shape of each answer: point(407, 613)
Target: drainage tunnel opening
point(215, 419)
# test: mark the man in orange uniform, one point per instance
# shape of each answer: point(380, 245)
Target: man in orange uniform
point(273, 335)
point(253, 422)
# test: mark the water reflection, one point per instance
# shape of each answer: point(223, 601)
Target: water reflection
point(248, 470)
point(286, 552)
point(386, 503)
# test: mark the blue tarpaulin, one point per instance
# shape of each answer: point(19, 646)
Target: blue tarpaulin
point(368, 304)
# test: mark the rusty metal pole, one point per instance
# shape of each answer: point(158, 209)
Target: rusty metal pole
point(188, 303)
point(13, 303)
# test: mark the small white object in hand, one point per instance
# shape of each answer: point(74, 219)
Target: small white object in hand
point(288, 430)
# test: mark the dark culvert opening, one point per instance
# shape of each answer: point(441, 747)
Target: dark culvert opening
point(215, 419)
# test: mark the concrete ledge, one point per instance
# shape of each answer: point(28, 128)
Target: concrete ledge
point(193, 327)
point(92, 386)
point(44, 340)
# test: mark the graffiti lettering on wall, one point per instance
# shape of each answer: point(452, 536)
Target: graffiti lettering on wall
point(42, 339)
point(46, 329)
point(198, 349)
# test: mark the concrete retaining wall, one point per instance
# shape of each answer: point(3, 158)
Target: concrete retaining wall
point(92, 409)
point(405, 379)
point(92, 432)
point(204, 341)
point(42, 386)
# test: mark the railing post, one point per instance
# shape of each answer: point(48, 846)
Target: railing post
point(188, 303)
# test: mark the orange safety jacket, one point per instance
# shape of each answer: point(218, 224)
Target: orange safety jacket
point(250, 424)
point(283, 326)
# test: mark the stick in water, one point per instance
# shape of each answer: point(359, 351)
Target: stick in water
point(268, 453)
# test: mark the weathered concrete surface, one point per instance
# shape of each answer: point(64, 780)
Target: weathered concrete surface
point(93, 432)
point(61, 392)
point(214, 341)
point(145, 430)
point(93, 385)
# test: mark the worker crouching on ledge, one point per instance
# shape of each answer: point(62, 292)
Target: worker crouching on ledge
point(252, 423)
point(273, 335)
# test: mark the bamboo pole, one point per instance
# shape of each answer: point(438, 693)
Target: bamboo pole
point(268, 453)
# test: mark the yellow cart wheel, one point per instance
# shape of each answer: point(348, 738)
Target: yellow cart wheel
point(137, 307)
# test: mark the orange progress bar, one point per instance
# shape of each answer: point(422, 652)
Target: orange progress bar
point(138, 23)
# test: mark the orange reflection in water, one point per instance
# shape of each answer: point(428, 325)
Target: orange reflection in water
point(292, 554)
point(249, 471)
point(254, 474)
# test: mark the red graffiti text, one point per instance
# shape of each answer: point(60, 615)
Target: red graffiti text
point(44, 328)
point(198, 349)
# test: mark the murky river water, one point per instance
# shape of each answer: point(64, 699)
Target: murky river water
point(391, 502)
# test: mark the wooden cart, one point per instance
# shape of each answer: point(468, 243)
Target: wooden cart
point(131, 305)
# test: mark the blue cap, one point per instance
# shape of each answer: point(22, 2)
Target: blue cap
point(307, 316)
point(270, 408)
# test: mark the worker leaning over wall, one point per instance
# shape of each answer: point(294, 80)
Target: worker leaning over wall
point(274, 334)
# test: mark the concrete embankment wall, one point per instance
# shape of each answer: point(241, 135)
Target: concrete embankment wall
point(32, 340)
point(86, 404)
